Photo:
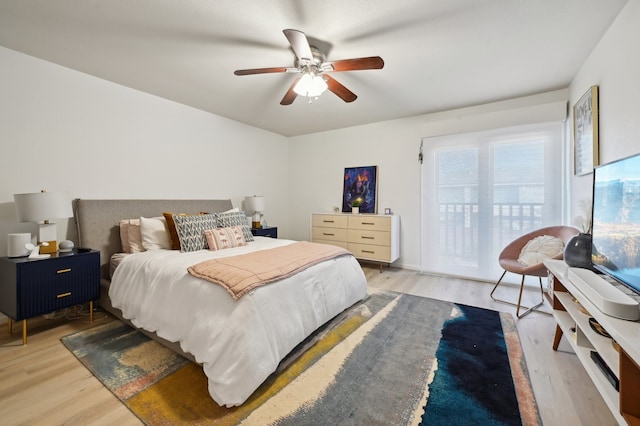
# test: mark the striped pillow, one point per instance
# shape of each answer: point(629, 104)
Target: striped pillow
point(222, 238)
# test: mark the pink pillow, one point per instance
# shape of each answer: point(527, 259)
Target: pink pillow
point(222, 238)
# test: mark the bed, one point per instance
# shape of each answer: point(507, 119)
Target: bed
point(239, 343)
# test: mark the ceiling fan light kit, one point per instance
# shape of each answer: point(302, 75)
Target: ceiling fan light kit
point(310, 86)
point(312, 64)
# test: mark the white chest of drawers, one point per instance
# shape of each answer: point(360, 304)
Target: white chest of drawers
point(368, 236)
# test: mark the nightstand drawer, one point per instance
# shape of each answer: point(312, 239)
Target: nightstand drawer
point(270, 231)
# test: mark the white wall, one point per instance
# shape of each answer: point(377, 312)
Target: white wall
point(614, 66)
point(62, 130)
point(318, 160)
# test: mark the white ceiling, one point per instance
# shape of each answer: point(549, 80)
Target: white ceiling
point(439, 55)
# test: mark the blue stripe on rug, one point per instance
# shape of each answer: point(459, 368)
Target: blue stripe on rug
point(473, 374)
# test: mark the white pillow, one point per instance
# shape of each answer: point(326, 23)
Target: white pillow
point(154, 233)
point(540, 248)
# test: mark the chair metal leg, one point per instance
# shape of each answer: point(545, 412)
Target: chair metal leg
point(519, 305)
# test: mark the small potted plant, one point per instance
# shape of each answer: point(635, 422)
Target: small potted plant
point(355, 206)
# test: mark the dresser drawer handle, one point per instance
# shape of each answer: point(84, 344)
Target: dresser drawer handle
point(368, 251)
point(60, 296)
point(327, 221)
point(368, 223)
point(326, 233)
point(62, 271)
point(364, 237)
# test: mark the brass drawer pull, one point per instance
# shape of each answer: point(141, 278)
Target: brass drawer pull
point(326, 233)
point(60, 296)
point(368, 223)
point(364, 237)
point(368, 251)
point(62, 271)
point(327, 221)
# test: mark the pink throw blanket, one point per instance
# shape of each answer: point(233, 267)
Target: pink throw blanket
point(241, 274)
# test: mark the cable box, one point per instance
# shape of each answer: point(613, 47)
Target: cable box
point(595, 356)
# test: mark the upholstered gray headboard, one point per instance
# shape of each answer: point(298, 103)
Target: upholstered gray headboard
point(98, 221)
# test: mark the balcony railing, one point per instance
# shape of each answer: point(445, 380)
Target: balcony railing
point(461, 231)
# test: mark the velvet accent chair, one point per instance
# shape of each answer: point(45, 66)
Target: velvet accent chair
point(508, 260)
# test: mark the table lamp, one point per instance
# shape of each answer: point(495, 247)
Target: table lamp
point(41, 207)
point(255, 205)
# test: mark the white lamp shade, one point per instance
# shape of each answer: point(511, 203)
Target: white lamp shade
point(40, 206)
point(254, 203)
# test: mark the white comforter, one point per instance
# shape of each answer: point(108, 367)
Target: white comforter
point(239, 344)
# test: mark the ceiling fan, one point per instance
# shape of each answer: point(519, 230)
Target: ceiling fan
point(313, 66)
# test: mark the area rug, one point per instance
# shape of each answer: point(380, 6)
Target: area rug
point(393, 359)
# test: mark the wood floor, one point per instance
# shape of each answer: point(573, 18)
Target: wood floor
point(42, 383)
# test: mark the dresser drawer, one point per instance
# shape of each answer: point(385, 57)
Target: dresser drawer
point(330, 234)
point(370, 252)
point(342, 244)
point(370, 222)
point(329, 220)
point(361, 236)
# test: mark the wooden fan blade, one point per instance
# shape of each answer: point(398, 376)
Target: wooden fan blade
point(299, 44)
point(261, 71)
point(290, 96)
point(370, 63)
point(341, 91)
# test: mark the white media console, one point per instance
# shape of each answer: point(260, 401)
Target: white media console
point(579, 295)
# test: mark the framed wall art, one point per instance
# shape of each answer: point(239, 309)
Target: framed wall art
point(585, 132)
point(360, 183)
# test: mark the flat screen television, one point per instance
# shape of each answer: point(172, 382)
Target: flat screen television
point(615, 249)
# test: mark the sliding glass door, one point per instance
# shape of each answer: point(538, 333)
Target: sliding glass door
point(481, 190)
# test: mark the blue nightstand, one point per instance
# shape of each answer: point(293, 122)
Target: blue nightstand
point(29, 288)
point(269, 231)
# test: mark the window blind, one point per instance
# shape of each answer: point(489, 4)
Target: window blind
point(482, 190)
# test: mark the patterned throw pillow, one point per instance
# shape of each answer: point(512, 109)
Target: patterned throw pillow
point(191, 230)
point(222, 238)
point(228, 219)
point(173, 232)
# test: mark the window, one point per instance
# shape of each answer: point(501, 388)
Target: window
point(482, 190)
